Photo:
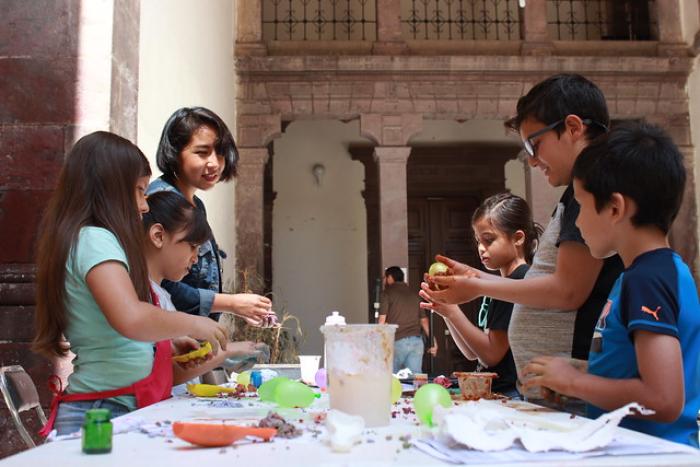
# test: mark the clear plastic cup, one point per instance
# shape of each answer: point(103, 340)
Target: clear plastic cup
point(309, 367)
point(360, 360)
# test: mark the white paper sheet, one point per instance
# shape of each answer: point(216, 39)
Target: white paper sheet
point(488, 426)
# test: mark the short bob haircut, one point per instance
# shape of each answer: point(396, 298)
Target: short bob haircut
point(551, 100)
point(640, 161)
point(177, 133)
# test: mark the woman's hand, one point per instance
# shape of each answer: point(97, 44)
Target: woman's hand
point(255, 309)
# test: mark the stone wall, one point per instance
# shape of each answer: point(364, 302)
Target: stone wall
point(51, 52)
point(379, 88)
point(38, 69)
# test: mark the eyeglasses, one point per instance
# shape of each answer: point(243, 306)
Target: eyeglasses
point(529, 145)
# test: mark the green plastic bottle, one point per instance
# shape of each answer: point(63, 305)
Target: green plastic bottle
point(97, 431)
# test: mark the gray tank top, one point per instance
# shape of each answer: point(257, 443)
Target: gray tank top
point(535, 331)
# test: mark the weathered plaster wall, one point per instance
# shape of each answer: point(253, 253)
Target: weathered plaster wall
point(186, 59)
point(319, 244)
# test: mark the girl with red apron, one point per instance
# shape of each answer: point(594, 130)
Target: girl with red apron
point(155, 387)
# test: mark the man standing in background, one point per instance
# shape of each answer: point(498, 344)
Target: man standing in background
point(400, 306)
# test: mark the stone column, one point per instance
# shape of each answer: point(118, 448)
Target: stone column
point(108, 68)
point(389, 40)
point(249, 216)
point(249, 39)
point(66, 68)
point(670, 24)
point(535, 32)
point(684, 231)
point(391, 134)
point(253, 135)
point(541, 196)
point(393, 224)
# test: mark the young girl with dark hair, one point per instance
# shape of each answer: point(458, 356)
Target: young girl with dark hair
point(174, 230)
point(506, 238)
point(92, 287)
point(195, 152)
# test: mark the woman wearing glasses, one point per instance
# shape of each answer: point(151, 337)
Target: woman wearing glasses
point(559, 300)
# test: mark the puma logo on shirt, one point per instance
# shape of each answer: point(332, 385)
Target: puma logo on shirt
point(649, 311)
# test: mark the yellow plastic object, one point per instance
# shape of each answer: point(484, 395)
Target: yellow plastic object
point(204, 350)
point(396, 389)
point(243, 378)
point(207, 390)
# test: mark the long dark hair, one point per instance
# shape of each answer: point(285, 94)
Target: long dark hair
point(96, 187)
point(175, 213)
point(510, 213)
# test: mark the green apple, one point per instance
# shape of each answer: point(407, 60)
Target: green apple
point(437, 269)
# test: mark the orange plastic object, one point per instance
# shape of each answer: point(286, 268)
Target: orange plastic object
point(217, 435)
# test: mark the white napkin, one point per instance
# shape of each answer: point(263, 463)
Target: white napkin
point(487, 426)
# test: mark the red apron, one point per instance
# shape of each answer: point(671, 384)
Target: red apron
point(153, 388)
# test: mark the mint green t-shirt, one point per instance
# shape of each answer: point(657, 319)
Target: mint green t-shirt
point(104, 359)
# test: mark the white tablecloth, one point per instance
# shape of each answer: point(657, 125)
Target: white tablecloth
point(381, 446)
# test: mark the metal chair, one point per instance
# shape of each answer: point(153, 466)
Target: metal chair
point(20, 394)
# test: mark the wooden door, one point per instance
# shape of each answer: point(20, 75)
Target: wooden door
point(441, 225)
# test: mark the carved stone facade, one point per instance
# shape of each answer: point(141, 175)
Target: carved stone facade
point(68, 67)
point(398, 84)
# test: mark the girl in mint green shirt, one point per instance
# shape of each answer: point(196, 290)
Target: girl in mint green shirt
point(92, 288)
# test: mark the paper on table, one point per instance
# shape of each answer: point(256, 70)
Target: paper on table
point(123, 424)
point(487, 426)
point(624, 445)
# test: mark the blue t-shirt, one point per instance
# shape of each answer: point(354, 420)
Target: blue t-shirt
point(656, 293)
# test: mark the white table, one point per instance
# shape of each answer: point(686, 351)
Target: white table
point(379, 447)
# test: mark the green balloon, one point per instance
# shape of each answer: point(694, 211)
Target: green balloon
point(243, 378)
point(396, 389)
point(426, 398)
point(266, 391)
point(294, 394)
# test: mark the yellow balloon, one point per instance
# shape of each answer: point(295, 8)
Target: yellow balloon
point(396, 389)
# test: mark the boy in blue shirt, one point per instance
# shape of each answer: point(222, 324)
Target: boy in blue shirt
point(646, 345)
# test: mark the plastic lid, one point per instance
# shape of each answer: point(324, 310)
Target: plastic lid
point(335, 318)
point(98, 415)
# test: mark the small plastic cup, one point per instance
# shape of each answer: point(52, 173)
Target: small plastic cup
point(309, 367)
point(475, 385)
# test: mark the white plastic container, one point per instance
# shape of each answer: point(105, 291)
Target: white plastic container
point(359, 365)
point(334, 319)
